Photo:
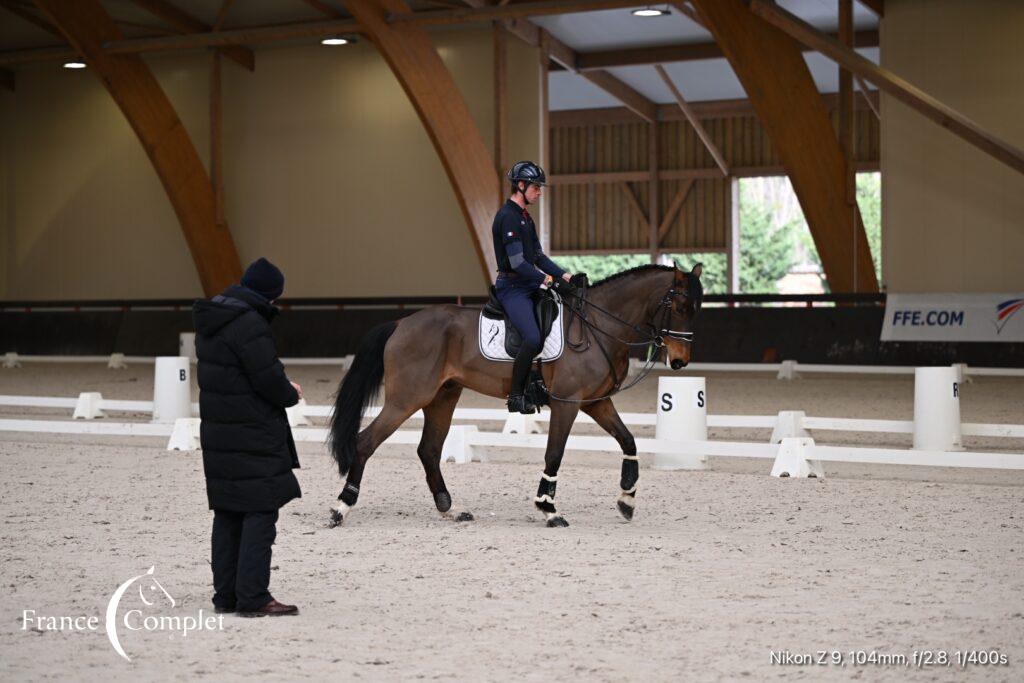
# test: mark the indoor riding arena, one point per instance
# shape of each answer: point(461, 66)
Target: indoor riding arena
point(521, 340)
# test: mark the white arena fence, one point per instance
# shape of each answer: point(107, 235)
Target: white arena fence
point(787, 369)
point(680, 423)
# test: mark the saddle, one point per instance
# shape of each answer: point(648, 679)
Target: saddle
point(546, 310)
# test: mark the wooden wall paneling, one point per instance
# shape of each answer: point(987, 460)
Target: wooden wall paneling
point(466, 159)
point(87, 26)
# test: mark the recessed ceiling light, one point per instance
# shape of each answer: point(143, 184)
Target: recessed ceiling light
point(650, 12)
point(339, 40)
point(74, 65)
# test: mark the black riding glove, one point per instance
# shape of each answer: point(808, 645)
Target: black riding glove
point(566, 289)
point(579, 280)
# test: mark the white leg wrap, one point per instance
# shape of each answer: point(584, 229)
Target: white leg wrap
point(547, 478)
point(544, 499)
point(631, 457)
point(629, 492)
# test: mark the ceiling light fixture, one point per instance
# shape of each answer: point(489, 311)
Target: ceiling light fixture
point(650, 12)
point(74, 65)
point(339, 40)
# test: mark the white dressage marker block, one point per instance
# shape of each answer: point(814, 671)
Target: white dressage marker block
point(187, 346)
point(517, 423)
point(185, 436)
point(682, 416)
point(937, 409)
point(963, 375)
point(795, 460)
point(788, 370)
point(789, 424)
point(88, 406)
point(11, 360)
point(457, 446)
point(297, 414)
point(172, 389)
point(117, 362)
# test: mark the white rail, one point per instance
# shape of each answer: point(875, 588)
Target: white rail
point(471, 438)
point(789, 369)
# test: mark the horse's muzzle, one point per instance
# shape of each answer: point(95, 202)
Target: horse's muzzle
point(678, 364)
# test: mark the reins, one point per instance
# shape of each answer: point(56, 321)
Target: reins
point(654, 339)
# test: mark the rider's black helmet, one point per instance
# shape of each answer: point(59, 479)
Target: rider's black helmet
point(528, 172)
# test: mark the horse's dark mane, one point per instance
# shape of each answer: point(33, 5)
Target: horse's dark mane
point(631, 271)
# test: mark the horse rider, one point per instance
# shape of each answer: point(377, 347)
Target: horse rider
point(523, 268)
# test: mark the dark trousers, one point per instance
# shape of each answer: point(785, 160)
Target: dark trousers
point(519, 307)
point(241, 558)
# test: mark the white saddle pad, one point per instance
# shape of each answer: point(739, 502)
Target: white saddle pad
point(492, 339)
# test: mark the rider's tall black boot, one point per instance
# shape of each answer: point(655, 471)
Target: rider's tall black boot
point(517, 402)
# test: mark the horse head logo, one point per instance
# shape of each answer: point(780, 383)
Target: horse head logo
point(150, 591)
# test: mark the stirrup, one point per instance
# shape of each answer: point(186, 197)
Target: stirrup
point(517, 403)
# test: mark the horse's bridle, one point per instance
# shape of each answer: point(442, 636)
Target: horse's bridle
point(653, 339)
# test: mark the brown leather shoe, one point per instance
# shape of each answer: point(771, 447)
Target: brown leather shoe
point(271, 609)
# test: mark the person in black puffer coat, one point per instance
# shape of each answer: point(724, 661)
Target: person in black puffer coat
point(248, 450)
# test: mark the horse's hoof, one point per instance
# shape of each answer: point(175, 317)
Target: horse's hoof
point(443, 501)
point(625, 510)
point(465, 517)
point(336, 519)
point(338, 515)
point(558, 521)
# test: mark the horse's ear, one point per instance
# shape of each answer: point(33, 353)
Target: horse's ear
point(697, 270)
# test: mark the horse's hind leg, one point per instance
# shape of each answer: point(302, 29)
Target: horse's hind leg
point(383, 426)
point(607, 417)
point(437, 419)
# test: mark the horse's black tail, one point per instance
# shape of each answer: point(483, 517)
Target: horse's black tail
point(357, 390)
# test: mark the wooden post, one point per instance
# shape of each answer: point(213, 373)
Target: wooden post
point(846, 115)
point(500, 101)
point(732, 239)
point(652, 211)
point(216, 139)
point(546, 228)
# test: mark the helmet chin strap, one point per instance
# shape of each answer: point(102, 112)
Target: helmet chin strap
point(523, 191)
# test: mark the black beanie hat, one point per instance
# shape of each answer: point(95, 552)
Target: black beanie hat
point(264, 278)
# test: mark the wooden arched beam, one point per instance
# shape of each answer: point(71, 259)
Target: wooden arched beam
point(86, 25)
point(772, 70)
point(428, 84)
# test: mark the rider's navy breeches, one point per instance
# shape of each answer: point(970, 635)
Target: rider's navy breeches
point(519, 306)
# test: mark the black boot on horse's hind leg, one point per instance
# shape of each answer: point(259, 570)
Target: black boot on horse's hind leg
point(545, 501)
point(517, 401)
point(346, 501)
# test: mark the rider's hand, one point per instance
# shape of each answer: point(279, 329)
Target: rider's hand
point(297, 388)
point(565, 287)
point(567, 277)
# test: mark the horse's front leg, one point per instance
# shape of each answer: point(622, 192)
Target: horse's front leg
point(607, 417)
point(563, 414)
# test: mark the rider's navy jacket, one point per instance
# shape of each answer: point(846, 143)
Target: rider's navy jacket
point(517, 247)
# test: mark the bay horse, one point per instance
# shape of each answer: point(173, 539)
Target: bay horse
point(426, 359)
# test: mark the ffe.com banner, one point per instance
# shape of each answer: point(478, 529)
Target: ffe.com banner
point(954, 317)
